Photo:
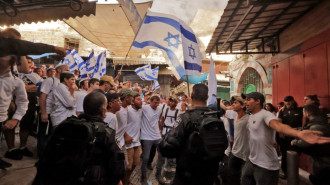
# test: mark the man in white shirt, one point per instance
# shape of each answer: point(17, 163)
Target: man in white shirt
point(80, 95)
point(45, 101)
point(63, 99)
point(126, 96)
point(114, 105)
point(150, 133)
point(11, 86)
point(168, 118)
point(133, 129)
point(92, 84)
point(263, 166)
point(240, 150)
point(230, 115)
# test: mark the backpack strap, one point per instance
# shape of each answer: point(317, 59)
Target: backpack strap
point(162, 109)
point(176, 114)
point(166, 113)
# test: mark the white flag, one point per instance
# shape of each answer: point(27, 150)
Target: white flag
point(174, 37)
point(141, 71)
point(100, 66)
point(90, 63)
point(155, 85)
point(212, 84)
point(70, 61)
point(81, 64)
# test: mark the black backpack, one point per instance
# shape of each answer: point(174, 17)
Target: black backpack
point(207, 136)
point(74, 154)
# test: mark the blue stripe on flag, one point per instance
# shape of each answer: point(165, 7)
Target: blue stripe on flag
point(192, 66)
point(190, 36)
point(84, 76)
point(150, 77)
point(73, 65)
point(169, 53)
point(140, 70)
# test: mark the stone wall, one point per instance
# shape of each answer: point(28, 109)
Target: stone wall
point(54, 33)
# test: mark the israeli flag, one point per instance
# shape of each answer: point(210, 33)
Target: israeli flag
point(81, 64)
point(152, 74)
point(174, 37)
point(100, 66)
point(90, 63)
point(141, 71)
point(70, 61)
point(155, 85)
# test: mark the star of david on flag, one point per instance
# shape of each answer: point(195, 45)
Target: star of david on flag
point(90, 63)
point(100, 66)
point(81, 64)
point(70, 61)
point(175, 38)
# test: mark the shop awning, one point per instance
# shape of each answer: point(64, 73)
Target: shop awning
point(27, 11)
point(109, 28)
point(138, 61)
point(253, 26)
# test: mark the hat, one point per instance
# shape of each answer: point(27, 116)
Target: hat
point(126, 92)
point(254, 95)
point(173, 99)
point(112, 96)
point(288, 98)
point(109, 79)
point(238, 98)
point(59, 65)
point(67, 72)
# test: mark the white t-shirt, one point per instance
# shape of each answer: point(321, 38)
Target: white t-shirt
point(80, 96)
point(149, 127)
point(170, 119)
point(231, 114)
point(226, 125)
point(241, 138)
point(47, 87)
point(63, 104)
point(133, 127)
point(262, 138)
point(111, 120)
point(122, 122)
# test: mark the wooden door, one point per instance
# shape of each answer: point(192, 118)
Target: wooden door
point(316, 74)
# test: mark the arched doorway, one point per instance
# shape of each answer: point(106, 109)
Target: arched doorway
point(250, 81)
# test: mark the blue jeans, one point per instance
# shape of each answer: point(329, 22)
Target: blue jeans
point(255, 175)
point(147, 144)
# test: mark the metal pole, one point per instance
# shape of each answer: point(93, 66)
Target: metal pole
point(292, 166)
point(188, 86)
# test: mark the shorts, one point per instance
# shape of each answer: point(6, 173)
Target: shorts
point(133, 157)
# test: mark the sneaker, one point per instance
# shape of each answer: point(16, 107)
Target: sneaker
point(150, 167)
point(4, 164)
point(14, 154)
point(26, 152)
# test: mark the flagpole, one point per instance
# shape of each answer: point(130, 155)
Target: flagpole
point(188, 86)
point(134, 39)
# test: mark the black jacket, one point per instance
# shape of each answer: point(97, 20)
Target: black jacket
point(191, 169)
point(72, 157)
point(319, 152)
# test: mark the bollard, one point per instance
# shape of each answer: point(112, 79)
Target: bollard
point(292, 166)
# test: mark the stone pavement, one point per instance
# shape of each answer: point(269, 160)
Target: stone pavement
point(22, 172)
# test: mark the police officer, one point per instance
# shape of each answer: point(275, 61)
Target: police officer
point(192, 166)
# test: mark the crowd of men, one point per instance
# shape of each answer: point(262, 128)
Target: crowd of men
point(129, 121)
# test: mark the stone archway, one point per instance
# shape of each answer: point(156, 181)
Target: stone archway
point(257, 67)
